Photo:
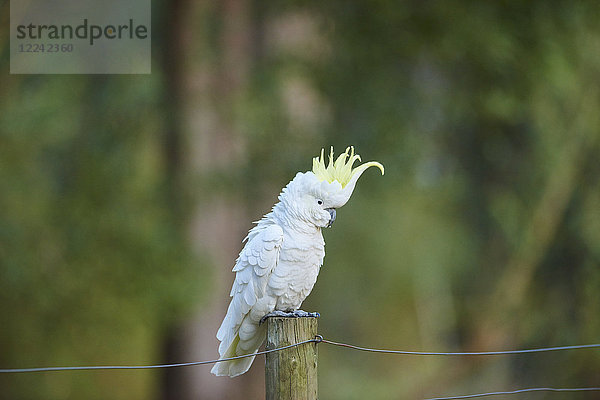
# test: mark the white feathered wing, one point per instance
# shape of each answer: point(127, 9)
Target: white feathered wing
point(240, 332)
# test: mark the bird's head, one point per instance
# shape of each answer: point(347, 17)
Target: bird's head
point(318, 193)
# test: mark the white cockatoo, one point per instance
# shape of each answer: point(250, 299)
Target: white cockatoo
point(278, 267)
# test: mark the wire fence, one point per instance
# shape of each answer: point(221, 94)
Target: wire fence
point(188, 364)
point(319, 339)
point(507, 392)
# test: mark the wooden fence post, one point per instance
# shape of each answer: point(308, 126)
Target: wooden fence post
point(291, 374)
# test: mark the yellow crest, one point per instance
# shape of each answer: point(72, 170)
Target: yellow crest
point(341, 169)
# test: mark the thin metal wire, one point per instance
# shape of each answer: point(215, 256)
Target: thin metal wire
point(472, 353)
point(482, 353)
point(528, 390)
point(317, 339)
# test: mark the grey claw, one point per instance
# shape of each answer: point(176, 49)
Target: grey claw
point(275, 313)
point(304, 314)
point(292, 314)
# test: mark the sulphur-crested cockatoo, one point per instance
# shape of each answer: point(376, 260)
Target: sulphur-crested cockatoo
point(278, 266)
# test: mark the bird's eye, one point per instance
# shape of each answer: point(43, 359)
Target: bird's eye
point(320, 202)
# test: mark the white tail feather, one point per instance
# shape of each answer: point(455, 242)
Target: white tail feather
point(237, 367)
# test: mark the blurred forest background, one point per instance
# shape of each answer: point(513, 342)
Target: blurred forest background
point(124, 198)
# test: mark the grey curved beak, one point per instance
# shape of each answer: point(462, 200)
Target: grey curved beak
point(332, 214)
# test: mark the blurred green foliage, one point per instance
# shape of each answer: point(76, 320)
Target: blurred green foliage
point(483, 234)
point(93, 265)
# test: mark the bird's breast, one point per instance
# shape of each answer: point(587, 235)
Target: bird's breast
point(296, 272)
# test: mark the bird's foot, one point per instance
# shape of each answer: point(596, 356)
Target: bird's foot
point(290, 314)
